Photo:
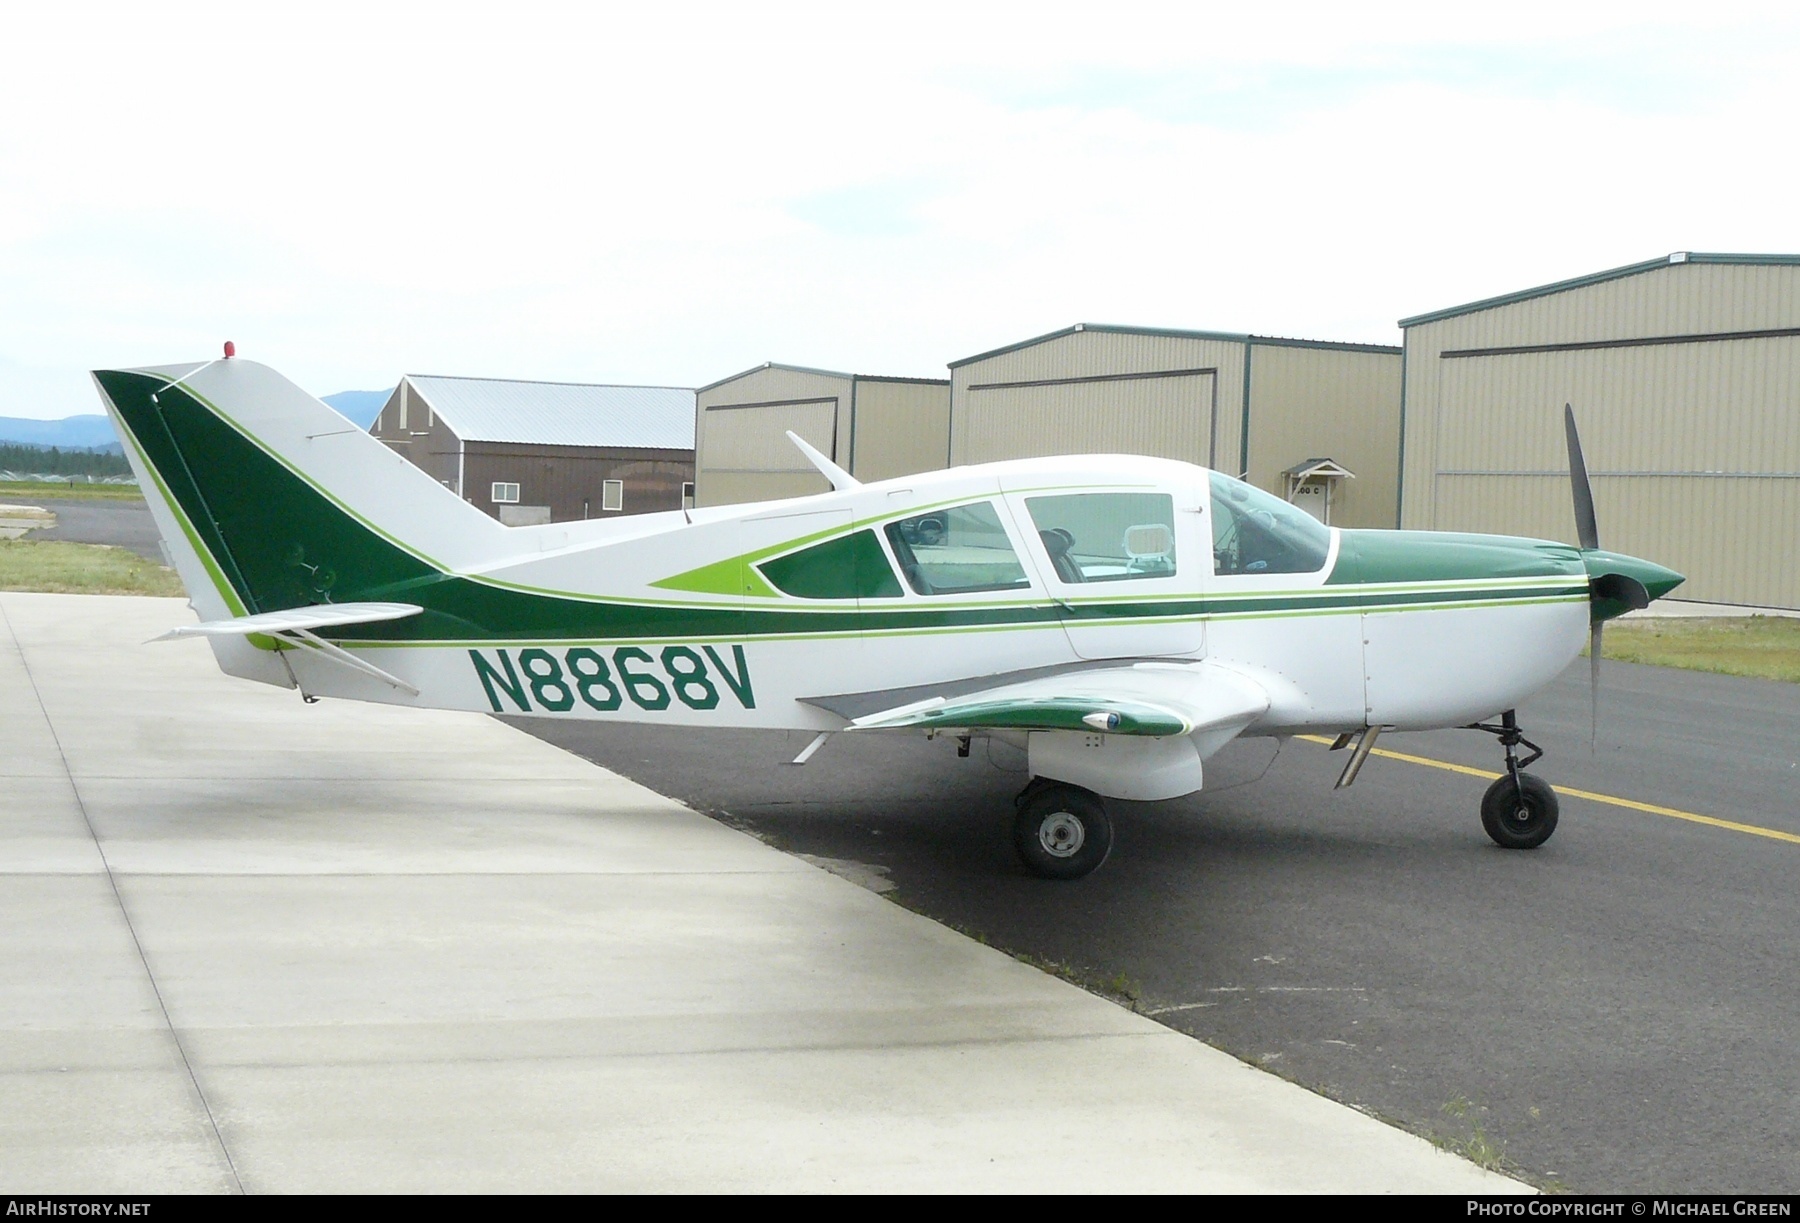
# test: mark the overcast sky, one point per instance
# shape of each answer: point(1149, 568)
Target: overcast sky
point(594, 193)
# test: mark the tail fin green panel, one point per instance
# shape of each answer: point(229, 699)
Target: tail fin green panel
point(277, 540)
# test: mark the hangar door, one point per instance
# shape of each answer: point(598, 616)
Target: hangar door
point(745, 454)
point(1692, 445)
point(1169, 414)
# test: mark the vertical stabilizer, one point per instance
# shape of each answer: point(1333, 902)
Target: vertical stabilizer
point(268, 499)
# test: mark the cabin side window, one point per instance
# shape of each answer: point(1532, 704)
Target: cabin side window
point(1254, 532)
point(849, 567)
point(956, 551)
point(1106, 537)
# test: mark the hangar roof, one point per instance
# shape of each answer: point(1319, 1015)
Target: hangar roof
point(1231, 336)
point(1594, 278)
point(561, 413)
point(826, 373)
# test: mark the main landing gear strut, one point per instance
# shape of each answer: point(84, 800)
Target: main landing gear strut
point(1519, 810)
point(1061, 831)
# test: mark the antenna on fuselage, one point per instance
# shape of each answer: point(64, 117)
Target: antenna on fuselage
point(840, 479)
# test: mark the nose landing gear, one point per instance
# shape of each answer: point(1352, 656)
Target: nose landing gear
point(1518, 811)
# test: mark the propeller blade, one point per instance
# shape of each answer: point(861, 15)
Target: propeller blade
point(1594, 685)
point(1587, 528)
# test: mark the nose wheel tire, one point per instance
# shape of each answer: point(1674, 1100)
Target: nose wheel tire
point(1062, 832)
point(1519, 816)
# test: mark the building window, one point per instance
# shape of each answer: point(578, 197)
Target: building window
point(612, 495)
point(506, 494)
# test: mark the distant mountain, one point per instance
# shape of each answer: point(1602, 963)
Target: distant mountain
point(360, 406)
point(70, 433)
point(95, 432)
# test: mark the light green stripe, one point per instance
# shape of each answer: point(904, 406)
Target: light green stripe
point(235, 604)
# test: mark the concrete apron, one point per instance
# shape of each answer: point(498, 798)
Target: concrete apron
point(253, 944)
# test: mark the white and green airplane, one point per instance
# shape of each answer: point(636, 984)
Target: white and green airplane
point(1118, 618)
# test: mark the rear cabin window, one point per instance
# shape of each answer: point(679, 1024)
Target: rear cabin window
point(1106, 537)
point(1255, 532)
point(849, 567)
point(956, 551)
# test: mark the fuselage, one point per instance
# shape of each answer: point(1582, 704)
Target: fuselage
point(755, 616)
point(775, 614)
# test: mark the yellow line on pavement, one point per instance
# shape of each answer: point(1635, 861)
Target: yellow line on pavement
point(1755, 830)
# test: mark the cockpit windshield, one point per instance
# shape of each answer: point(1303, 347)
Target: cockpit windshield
point(1254, 532)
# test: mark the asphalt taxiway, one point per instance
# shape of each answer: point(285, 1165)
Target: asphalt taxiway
point(258, 945)
point(95, 520)
point(1617, 1011)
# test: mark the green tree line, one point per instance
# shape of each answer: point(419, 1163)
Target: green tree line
point(58, 462)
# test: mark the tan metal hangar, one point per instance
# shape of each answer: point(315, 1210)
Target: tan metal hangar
point(1684, 373)
point(1239, 403)
point(535, 452)
point(1257, 406)
point(873, 427)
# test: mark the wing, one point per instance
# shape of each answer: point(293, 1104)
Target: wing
point(1124, 730)
point(1149, 699)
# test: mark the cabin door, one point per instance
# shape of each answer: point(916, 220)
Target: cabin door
point(1123, 567)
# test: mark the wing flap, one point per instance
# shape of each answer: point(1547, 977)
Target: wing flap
point(1152, 700)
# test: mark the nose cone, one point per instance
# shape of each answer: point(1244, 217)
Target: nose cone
point(1612, 576)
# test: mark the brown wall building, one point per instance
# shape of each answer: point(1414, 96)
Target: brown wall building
point(531, 452)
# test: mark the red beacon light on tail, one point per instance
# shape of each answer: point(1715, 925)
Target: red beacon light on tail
point(230, 349)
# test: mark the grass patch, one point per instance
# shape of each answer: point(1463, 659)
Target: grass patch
point(1760, 647)
point(54, 566)
point(14, 492)
point(1473, 1142)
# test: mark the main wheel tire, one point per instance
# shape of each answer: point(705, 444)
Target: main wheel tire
point(1062, 832)
point(1519, 823)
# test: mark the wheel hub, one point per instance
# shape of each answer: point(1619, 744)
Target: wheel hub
point(1061, 835)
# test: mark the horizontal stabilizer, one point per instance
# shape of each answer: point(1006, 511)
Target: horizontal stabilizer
point(1155, 700)
point(324, 615)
